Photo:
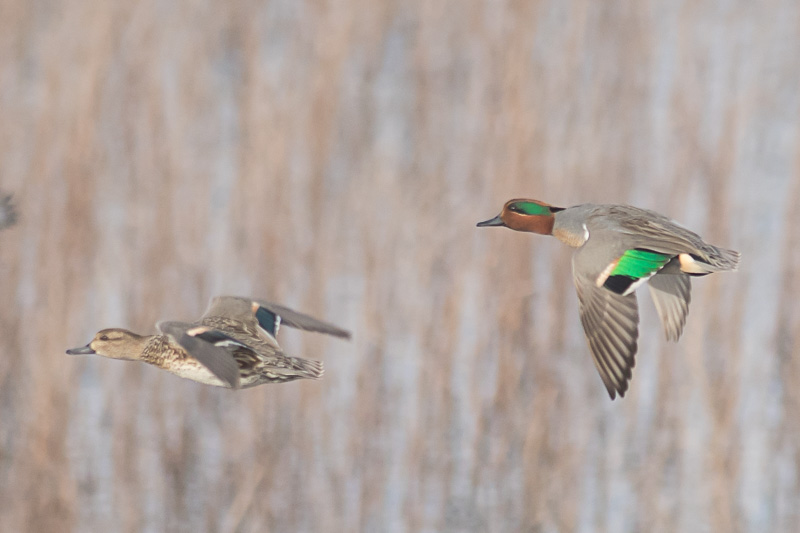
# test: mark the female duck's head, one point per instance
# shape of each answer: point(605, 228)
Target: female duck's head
point(115, 343)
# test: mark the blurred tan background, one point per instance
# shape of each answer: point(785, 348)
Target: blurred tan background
point(335, 157)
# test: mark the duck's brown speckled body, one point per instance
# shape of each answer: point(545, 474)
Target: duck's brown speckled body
point(233, 345)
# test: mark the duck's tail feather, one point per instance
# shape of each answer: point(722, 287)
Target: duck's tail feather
point(713, 260)
point(308, 368)
point(725, 259)
point(290, 369)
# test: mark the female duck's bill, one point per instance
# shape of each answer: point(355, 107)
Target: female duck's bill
point(83, 350)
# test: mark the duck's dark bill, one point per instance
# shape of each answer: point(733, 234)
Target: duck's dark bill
point(496, 221)
point(83, 350)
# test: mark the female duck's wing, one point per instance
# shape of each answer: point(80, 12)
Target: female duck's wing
point(268, 316)
point(232, 307)
point(611, 324)
point(271, 313)
point(208, 346)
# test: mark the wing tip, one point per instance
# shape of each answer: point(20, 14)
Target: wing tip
point(296, 319)
point(341, 333)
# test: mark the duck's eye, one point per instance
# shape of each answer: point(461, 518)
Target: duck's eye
point(513, 208)
point(103, 337)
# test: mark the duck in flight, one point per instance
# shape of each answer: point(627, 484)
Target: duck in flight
point(233, 345)
point(617, 249)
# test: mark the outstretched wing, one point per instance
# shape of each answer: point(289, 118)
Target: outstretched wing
point(269, 312)
point(611, 324)
point(208, 346)
point(660, 234)
point(268, 316)
point(672, 294)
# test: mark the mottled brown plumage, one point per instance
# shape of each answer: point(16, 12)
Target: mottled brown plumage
point(233, 345)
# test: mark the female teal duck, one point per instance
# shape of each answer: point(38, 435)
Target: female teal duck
point(618, 248)
point(233, 345)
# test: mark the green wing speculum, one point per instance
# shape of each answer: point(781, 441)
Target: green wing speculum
point(633, 268)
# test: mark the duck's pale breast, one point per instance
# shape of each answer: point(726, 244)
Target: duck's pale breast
point(192, 369)
point(160, 351)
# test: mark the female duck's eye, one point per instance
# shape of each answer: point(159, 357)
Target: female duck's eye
point(103, 337)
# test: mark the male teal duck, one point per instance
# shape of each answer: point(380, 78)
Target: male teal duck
point(618, 248)
point(233, 345)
